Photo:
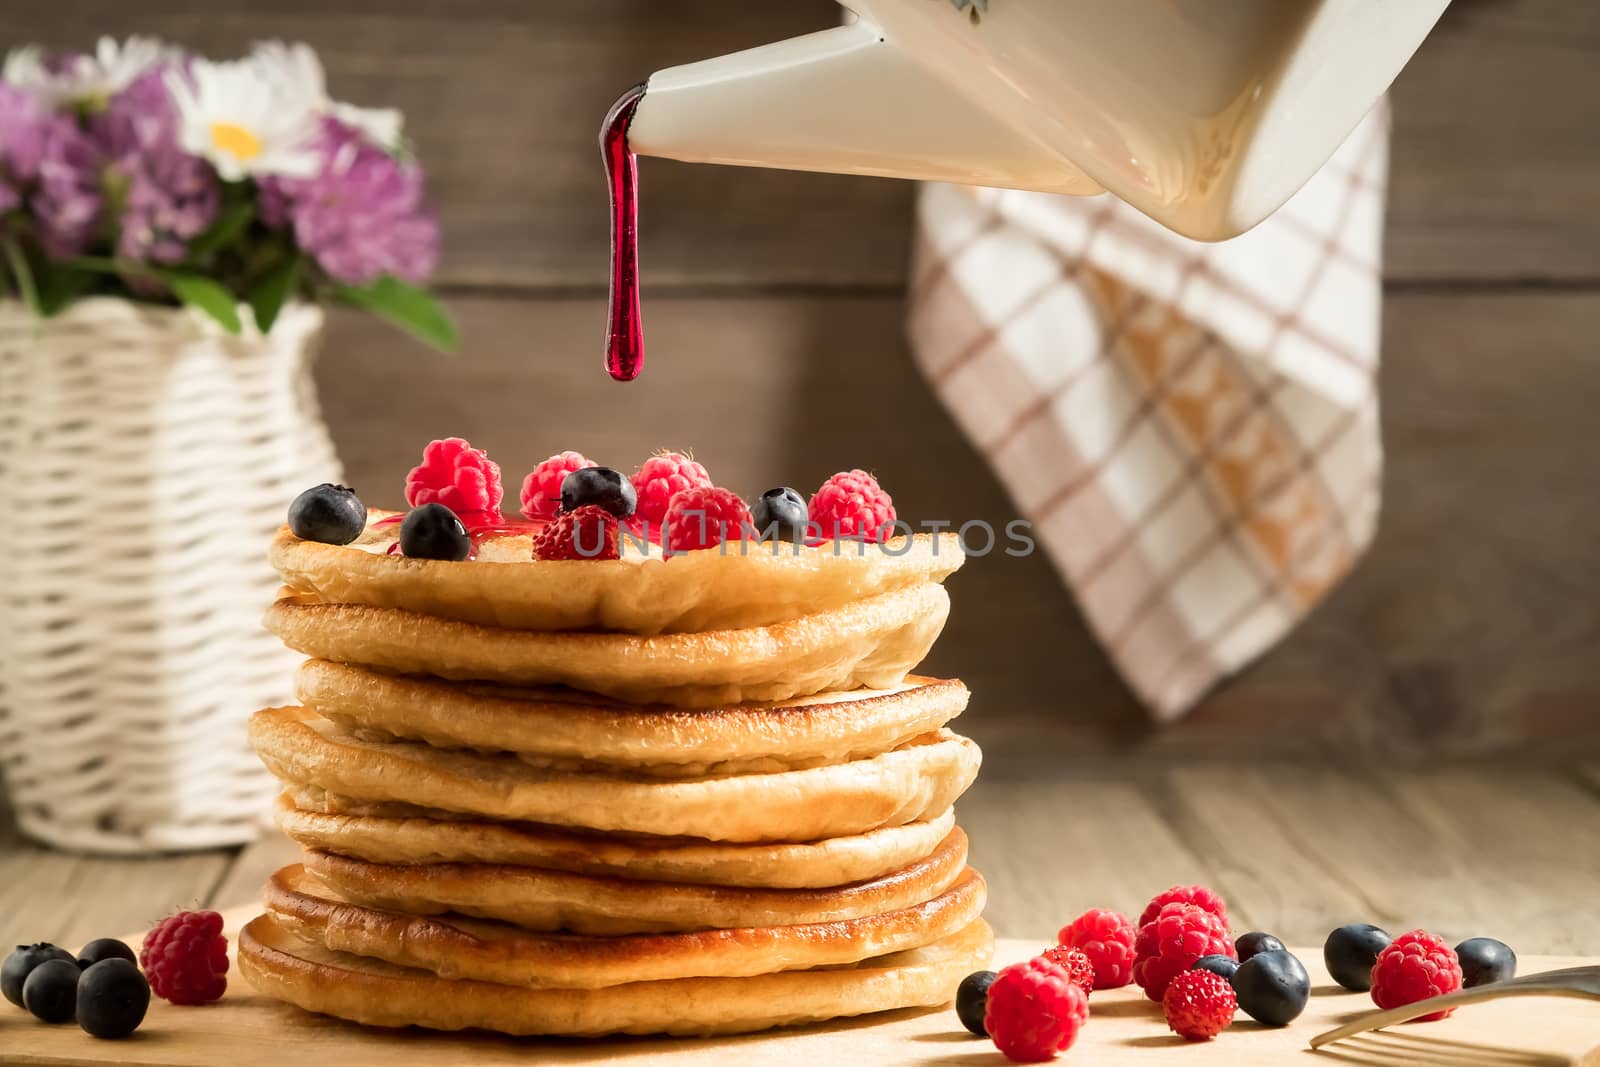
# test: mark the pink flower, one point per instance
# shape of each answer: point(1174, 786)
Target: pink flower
point(362, 216)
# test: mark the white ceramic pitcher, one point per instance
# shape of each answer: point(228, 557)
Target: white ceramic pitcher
point(1204, 114)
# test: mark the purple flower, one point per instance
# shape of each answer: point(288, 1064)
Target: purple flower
point(139, 118)
point(66, 203)
point(171, 199)
point(274, 202)
point(168, 197)
point(363, 216)
point(48, 167)
point(24, 134)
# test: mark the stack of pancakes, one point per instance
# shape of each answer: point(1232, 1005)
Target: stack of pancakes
point(694, 795)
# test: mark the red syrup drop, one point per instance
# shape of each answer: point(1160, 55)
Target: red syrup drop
point(624, 331)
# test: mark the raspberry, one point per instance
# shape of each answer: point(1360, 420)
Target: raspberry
point(1035, 1010)
point(1199, 1005)
point(1075, 963)
point(852, 504)
point(704, 518)
point(590, 532)
point(1107, 938)
point(1186, 894)
point(541, 489)
point(186, 958)
point(661, 477)
point(462, 478)
point(1170, 944)
point(1415, 967)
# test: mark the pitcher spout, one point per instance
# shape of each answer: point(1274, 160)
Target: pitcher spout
point(843, 100)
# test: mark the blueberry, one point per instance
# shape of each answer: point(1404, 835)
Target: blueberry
point(780, 515)
point(51, 991)
point(112, 998)
point(1272, 987)
point(105, 948)
point(1350, 952)
point(1256, 942)
point(433, 532)
point(599, 485)
point(1217, 964)
point(972, 1000)
point(1485, 960)
point(14, 972)
point(332, 514)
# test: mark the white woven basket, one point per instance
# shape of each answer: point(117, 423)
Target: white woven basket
point(146, 457)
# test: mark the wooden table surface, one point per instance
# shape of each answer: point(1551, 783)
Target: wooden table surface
point(249, 1030)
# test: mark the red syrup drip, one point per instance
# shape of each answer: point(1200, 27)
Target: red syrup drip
point(624, 330)
point(506, 528)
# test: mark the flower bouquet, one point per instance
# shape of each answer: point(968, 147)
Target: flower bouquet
point(142, 172)
point(170, 229)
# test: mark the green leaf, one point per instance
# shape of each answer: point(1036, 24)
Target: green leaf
point(205, 294)
point(229, 225)
point(405, 306)
point(26, 287)
point(268, 296)
point(103, 265)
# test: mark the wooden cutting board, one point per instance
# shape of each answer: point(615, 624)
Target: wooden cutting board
point(246, 1030)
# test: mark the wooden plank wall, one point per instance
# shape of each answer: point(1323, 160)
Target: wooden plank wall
point(774, 303)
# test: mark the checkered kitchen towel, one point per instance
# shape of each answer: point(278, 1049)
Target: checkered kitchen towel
point(1192, 428)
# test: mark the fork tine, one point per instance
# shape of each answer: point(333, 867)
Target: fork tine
point(1571, 982)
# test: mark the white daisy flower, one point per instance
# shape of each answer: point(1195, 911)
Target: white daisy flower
point(246, 119)
point(300, 65)
point(85, 80)
point(382, 125)
point(24, 68)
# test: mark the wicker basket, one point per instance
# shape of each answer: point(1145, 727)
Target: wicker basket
point(145, 460)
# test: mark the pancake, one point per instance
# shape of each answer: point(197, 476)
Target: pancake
point(910, 783)
point(536, 899)
point(691, 592)
point(567, 730)
point(376, 993)
point(453, 946)
point(804, 865)
point(871, 643)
